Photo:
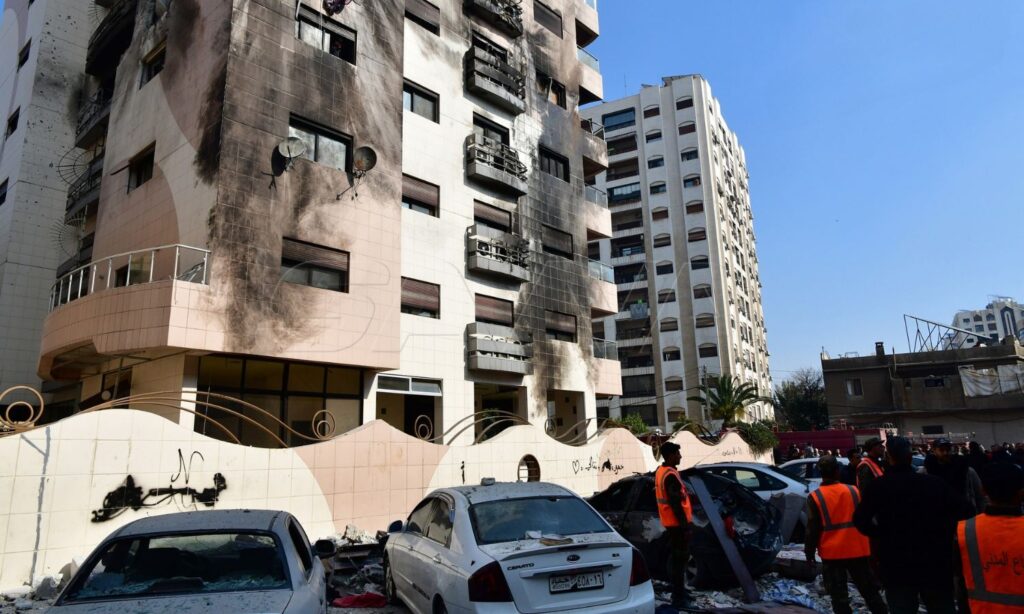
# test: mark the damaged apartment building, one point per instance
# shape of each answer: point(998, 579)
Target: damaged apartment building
point(301, 213)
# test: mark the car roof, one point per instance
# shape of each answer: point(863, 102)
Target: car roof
point(737, 464)
point(207, 520)
point(509, 490)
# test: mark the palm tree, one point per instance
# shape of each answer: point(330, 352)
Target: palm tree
point(727, 397)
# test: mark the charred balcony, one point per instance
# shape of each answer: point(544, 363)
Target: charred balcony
point(505, 15)
point(495, 164)
point(495, 78)
point(92, 118)
point(112, 37)
point(85, 191)
point(493, 347)
point(499, 254)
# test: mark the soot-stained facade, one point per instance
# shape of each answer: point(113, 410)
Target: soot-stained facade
point(377, 213)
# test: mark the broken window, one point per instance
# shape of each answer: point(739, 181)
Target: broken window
point(551, 89)
point(314, 28)
point(323, 146)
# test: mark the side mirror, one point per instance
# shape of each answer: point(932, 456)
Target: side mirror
point(325, 548)
point(395, 527)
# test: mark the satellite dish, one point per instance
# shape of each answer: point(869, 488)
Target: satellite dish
point(364, 160)
point(291, 148)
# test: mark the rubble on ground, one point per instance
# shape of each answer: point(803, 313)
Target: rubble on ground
point(28, 599)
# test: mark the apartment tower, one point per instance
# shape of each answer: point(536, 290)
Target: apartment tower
point(683, 252)
point(358, 210)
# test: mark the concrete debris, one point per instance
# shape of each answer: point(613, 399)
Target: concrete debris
point(355, 535)
point(49, 587)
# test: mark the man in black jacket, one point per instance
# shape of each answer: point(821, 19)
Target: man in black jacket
point(911, 519)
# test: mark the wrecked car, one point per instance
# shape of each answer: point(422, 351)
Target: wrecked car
point(629, 505)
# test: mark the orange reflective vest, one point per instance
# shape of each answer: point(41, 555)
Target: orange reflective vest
point(839, 538)
point(876, 470)
point(992, 552)
point(665, 513)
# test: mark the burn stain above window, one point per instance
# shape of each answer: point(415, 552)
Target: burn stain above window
point(312, 265)
point(548, 17)
point(325, 34)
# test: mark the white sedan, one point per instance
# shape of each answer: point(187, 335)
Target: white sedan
point(807, 469)
point(224, 561)
point(765, 480)
point(516, 547)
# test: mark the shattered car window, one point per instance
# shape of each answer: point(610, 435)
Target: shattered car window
point(183, 564)
point(496, 522)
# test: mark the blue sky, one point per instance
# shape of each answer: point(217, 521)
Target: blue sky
point(885, 144)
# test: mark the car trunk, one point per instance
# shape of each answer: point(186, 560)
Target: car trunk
point(591, 570)
point(222, 603)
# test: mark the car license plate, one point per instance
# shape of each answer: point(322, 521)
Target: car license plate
point(577, 582)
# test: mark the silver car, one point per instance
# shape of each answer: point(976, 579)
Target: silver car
point(224, 561)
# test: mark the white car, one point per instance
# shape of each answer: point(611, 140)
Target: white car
point(807, 469)
point(224, 561)
point(765, 480)
point(513, 547)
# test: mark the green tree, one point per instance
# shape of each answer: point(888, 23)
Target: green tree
point(800, 401)
point(727, 397)
point(758, 435)
point(635, 423)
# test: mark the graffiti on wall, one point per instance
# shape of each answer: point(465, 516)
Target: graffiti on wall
point(129, 496)
point(594, 464)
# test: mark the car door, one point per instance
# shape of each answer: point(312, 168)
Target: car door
point(642, 527)
point(401, 559)
point(434, 555)
point(310, 588)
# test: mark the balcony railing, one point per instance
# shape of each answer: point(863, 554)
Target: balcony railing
point(588, 59)
point(493, 347)
point(592, 127)
point(506, 15)
point(601, 271)
point(595, 195)
point(85, 189)
point(607, 350)
point(146, 266)
point(97, 105)
point(497, 252)
point(494, 162)
point(499, 81)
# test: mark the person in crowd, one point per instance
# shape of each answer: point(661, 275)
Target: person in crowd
point(870, 467)
point(676, 514)
point(848, 474)
point(845, 551)
point(956, 471)
point(911, 520)
point(976, 456)
point(991, 544)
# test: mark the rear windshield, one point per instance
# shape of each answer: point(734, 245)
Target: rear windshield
point(183, 564)
point(776, 470)
point(496, 522)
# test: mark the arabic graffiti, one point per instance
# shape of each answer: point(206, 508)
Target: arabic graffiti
point(129, 496)
point(594, 464)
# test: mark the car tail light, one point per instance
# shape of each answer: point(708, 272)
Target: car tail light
point(638, 574)
point(488, 585)
point(730, 527)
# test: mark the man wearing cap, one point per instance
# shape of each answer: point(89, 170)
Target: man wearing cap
point(676, 514)
point(844, 550)
point(957, 472)
point(871, 466)
point(992, 544)
point(911, 520)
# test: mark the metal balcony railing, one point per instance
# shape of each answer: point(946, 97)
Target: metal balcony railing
point(494, 69)
point(588, 59)
point(94, 107)
point(595, 195)
point(501, 246)
point(592, 127)
point(606, 349)
point(601, 271)
point(145, 266)
point(506, 15)
point(83, 185)
point(496, 155)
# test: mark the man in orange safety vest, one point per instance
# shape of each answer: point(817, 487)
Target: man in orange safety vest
point(676, 514)
point(871, 467)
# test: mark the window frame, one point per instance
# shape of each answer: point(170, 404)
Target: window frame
point(153, 64)
point(684, 103)
point(421, 19)
point(549, 160)
point(147, 159)
point(13, 123)
point(419, 205)
point(412, 92)
point(409, 308)
point(549, 16)
point(291, 264)
point(327, 27)
point(318, 132)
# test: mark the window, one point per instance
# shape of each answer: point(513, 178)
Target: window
point(323, 146)
point(705, 320)
point(668, 325)
point(547, 17)
point(420, 298)
point(439, 526)
point(979, 328)
point(140, 169)
point(934, 382)
point(420, 101)
point(557, 242)
point(554, 164)
point(652, 111)
point(933, 429)
point(684, 103)
point(697, 234)
point(420, 196)
point(552, 89)
point(23, 55)
point(528, 469)
point(3, 192)
point(707, 350)
point(622, 170)
point(665, 268)
point(493, 310)
point(622, 144)
point(673, 384)
point(977, 318)
point(419, 519)
point(688, 128)
point(692, 181)
point(700, 262)
point(990, 318)
point(490, 130)
point(967, 320)
point(656, 162)
point(689, 154)
point(153, 63)
point(627, 246)
point(492, 216)
point(301, 544)
point(653, 136)
point(424, 14)
point(12, 122)
point(667, 296)
point(662, 240)
point(854, 388)
point(702, 291)
point(992, 327)
point(659, 188)
point(659, 214)
point(312, 265)
point(669, 354)
point(560, 326)
point(697, 207)
point(619, 119)
point(624, 194)
point(325, 34)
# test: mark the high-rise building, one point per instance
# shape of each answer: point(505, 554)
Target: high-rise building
point(42, 54)
point(683, 252)
point(362, 211)
point(1001, 318)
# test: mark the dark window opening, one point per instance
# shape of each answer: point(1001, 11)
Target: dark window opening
point(684, 103)
point(664, 269)
point(557, 242)
point(702, 291)
point(3, 192)
point(420, 101)
point(653, 137)
point(687, 128)
point(652, 112)
point(425, 14)
point(619, 119)
point(689, 154)
point(325, 34)
point(659, 214)
point(697, 234)
point(560, 326)
point(551, 89)
point(549, 18)
point(622, 144)
point(700, 262)
point(12, 122)
point(691, 182)
point(670, 354)
point(23, 55)
point(708, 350)
point(153, 64)
point(140, 169)
point(554, 164)
point(695, 208)
point(668, 325)
point(490, 130)
point(662, 240)
point(622, 170)
point(659, 188)
point(420, 298)
point(312, 265)
point(673, 385)
point(667, 296)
